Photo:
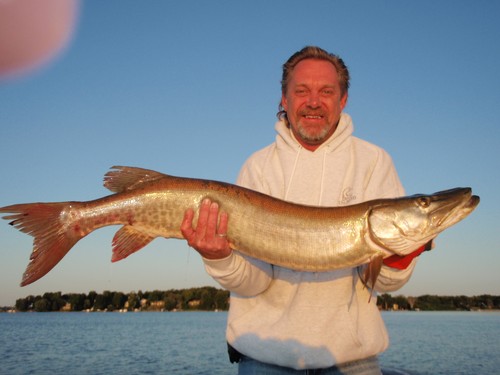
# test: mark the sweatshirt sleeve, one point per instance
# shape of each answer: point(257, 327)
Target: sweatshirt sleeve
point(392, 279)
point(240, 274)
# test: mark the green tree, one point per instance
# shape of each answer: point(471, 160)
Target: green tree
point(102, 301)
point(133, 301)
point(222, 299)
point(462, 303)
point(41, 305)
point(87, 304)
point(91, 297)
point(402, 302)
point(77, 301)
point(55, 300)
point(385, 301)
point(155, 296)
point(187, 296)
point(207, 299)
point(22, 304)
point(434, 303)
point(172, 301)
point(118, 300)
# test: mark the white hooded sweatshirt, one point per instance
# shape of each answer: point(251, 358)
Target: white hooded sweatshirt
point(310, 319)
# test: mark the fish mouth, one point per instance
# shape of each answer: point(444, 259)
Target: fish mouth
point(454, 205)
point(472, 202)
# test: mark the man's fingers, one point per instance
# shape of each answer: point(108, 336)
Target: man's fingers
point(213, 218)
point(201, 227)
point(187, 224)
point(222, 230)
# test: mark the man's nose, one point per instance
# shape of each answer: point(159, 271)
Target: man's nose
point(313, 100)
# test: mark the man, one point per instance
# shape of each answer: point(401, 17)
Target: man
point(280, 320)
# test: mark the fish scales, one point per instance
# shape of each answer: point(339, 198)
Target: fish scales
point(294, 236)
point(263, 227)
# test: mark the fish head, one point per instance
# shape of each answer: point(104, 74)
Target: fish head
point(404, 224)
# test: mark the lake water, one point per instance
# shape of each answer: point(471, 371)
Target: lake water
point(194, 343)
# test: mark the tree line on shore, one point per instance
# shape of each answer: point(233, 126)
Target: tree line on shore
point(439, 303)
point(202, 298)
point(213, 299)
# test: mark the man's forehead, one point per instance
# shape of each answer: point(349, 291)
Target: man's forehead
point(311, 71)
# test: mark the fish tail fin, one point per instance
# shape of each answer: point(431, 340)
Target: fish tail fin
point(51, 238)
point(371, 273)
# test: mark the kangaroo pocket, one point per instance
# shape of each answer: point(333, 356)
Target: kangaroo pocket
point(299, 339)
point(309, 323)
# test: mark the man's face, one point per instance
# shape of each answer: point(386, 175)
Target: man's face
point(313, 102)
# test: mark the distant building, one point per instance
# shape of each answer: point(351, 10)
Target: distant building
point(194, 303)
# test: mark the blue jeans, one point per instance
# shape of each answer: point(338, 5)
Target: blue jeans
point(368, 366)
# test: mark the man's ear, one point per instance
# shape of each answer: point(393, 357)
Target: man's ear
point(284, 102)
point(343, 101)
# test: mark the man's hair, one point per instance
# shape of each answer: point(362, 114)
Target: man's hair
point(313, 52)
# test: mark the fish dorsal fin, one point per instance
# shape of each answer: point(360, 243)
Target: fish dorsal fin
point(120, 179)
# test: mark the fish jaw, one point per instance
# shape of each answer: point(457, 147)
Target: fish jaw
point(451, 214)
point(405, 224)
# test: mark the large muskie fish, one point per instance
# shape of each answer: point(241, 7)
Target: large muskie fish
point(149, 204)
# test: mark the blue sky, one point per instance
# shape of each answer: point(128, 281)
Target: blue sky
point(191, 88)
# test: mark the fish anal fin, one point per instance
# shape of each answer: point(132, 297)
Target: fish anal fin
point(127, 241)
point(371, 273)
point(120, 179)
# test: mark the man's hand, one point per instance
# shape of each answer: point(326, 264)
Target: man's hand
point(209, 236)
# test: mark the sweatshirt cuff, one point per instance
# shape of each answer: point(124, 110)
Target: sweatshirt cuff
point(216, 266)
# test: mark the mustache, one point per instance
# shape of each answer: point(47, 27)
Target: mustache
point(306, 112)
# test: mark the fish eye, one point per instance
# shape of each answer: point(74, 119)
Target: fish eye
point(424, 202)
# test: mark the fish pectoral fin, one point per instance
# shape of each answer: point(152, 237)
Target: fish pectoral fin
point(120, 179)
point(127, 241)
point(372, 271)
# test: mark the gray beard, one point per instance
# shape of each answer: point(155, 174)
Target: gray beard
point(318, 138)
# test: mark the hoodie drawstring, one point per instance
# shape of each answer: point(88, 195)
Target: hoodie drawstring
point(293, 172)
point(322, 182)
point(323, 168)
